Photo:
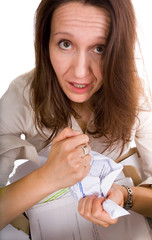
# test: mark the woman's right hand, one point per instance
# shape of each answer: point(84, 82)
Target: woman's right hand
point(66, 165)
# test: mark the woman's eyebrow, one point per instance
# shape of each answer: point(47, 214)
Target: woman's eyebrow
point(63, 33)
point(71, 35)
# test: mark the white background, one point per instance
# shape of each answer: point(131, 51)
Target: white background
point(17, 37)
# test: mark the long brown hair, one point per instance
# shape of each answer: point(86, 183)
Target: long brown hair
point(115, 104)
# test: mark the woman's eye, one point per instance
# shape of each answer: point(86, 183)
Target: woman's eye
point(99, 49)
point(65, 45)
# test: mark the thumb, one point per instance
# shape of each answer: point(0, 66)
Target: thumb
point(65, 133)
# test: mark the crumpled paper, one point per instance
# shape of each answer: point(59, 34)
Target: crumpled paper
point(103, 173)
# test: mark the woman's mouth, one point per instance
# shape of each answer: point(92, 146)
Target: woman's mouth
point(79, 88)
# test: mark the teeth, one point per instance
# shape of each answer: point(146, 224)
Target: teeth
point(79, 85)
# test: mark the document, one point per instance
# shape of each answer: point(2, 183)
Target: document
point(57, 218)
point(60, 220)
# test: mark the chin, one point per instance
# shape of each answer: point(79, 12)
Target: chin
point(79, 100)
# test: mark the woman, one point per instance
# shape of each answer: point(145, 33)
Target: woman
point(84, 93)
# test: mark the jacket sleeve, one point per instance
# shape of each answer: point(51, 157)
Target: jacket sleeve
point(16, 118)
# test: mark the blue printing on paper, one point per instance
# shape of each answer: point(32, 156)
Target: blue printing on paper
point(81, 189)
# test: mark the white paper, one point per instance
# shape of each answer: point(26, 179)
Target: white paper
point(11, 233)
point(103, 173)
point(113, 209)
point(60, 220)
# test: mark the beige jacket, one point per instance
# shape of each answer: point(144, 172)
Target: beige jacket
point(17, 117)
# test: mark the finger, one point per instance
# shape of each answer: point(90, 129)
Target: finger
point(73, 142)
point(85, 210)
point(82, 204)
point(77, 141)
point(97, 208)
point(86, 160)
point(70, 139)
point(100, 214)
point(88, 206)
point(66, 133)
point(77, 160)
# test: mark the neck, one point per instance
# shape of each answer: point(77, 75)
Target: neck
point(84, 112)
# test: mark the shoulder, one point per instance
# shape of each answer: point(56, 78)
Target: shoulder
point(16, 111)
point(18, 91)
point(22, 82)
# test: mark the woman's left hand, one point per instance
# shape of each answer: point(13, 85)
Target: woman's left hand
point(91, 207)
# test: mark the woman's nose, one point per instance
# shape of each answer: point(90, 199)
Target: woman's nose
point(81, 65)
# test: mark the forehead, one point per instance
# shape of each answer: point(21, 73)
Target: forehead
point(73, 16)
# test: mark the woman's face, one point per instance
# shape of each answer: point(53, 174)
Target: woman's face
point(77, 40)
